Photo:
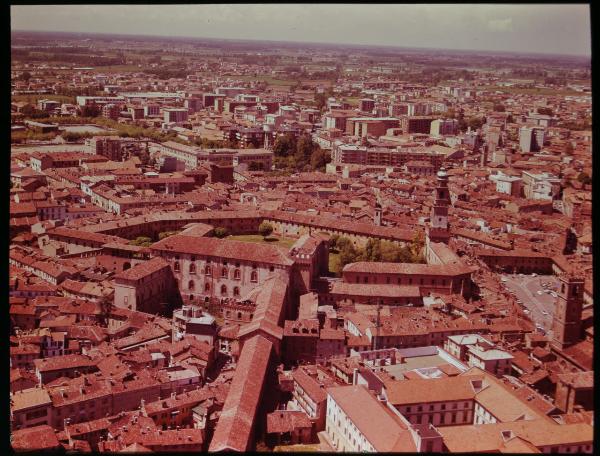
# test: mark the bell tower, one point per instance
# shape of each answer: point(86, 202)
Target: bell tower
point(566, 321)
point(378, 211)
point(438, 229)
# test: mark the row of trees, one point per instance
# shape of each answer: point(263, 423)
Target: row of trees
point(463, 123)
point(377, 250)
point(301, 154)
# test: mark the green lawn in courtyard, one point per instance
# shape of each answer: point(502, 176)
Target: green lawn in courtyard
point(334, 263)
point(272, 240)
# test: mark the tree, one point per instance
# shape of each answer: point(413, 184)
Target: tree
point(255, 166)
point(265, 229)
point(221, 232)
point(348, 254)
point(584, 178)
point(545, 111)
point(416, 246)
point(72, 136)
point(25, 76)
point(475, 122)
point(284, 145)
point(304, 147)
point(320, 100)
point(142, 241)
point(319, 159)
point(166, 234)
point(32, 112)
point(333, 239)
point(90, 111)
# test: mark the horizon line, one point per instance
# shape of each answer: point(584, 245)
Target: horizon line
point(256, 40)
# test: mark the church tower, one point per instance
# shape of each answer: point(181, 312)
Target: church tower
point(438, 229)
point(378, 211)
point(566, 321)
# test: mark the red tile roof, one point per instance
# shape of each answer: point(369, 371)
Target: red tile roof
point(142, 270)
point(234, 428)
point(35, 438)
point(382, 429)
point(365, 267)
point(222, 248)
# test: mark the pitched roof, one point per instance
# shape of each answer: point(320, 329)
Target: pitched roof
point(407, 268)
point(489, 437)
point(237, 420)
point(34, 438)
point(221, 248)
point(383, 430)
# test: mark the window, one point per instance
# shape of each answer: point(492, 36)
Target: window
point(207, 286)
point(207, 270)
point(176, 266)
point(236, 291)
point(191, 285)
point(224, 272)
point(224, 290)
point(239, 315)
point(192, 268)
point(254, 276)
point(237, 274)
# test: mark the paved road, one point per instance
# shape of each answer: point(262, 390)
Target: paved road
point(526, 288)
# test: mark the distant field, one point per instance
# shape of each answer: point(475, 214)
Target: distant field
point(533, 91)
point(271, 80)
point(257, 238)
point(116, 68)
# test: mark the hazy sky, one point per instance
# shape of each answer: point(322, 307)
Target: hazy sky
point(555, 29)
